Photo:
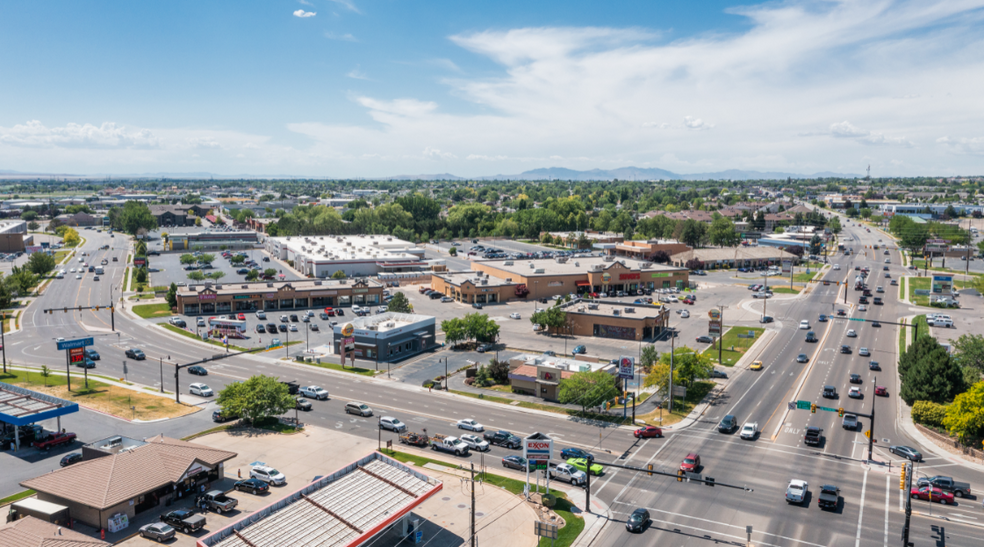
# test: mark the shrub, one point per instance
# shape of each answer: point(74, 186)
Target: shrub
point(928, 413)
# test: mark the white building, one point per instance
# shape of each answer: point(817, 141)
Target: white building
point(322, 256)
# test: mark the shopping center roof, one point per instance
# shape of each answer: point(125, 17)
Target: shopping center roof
point(348, 507)
point(270, 286)
point(574, 266)
point(609, 309)
point(476, 278)
point(327, 249)
point(386, 321)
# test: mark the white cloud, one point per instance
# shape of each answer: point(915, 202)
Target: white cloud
point(306, 3)
point(73, 135)
point(846, 130)
point(657, 125)
point(304, 14)
point(486, 158)
point(357, 74)
point(341, 37)
point(348, 4)
point(696, 123)
point(964, 146)
point(203, 143)
point(434, 153)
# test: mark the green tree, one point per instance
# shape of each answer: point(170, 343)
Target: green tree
point(722, 232)
point(238, 259)
point(587, 389)
point(196, 275)
point(690, 365)
point(140, 248)
point(29, 215)
point(835, 225)
point(928, 373)
point(187, 258)
point(965, 416)
point(252, 275)
point(20, 282)
point(172, 295)
point(41, 263)
point(131, 217)
point(649, 357)
point(453, 251)
point(206, 258)
point(270, 272)
point(257, 398)
point(928, 413)
point(815, 245)
point(33, 226)
point(499, 372)
point(71, 238)
point(866, 213)
point(454, 330)
point(693, 233)
point(216, 275)
point(969, 354)
point(6, 298)
point(339, 274)
point(141, 275)
point(399, 303)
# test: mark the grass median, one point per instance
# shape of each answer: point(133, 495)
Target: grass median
point(681, 408)
point(336, 366)
point(733, 346)
point(151, 311)
point(99, 396)
point(193, 336)
point(786, 290)
point(540, 406)
point(926, 284)
point(16, 497)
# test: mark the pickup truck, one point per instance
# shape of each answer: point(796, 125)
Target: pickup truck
point(26, 434)
point(218, 501)
point(451, 445)
point(947, 484)
point(54, 439)
point(567, 473)
point(185, 520)
point(503, 438)
point(829, 497)
point(813, 436)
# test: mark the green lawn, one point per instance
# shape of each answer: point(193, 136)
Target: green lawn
point(926, 283)
point(786, 290)
point(16, 497)
point(733, 347)
point(538, 406)
point(681, 408)
point(60, 255)
point(335, 366)
point(150, 311)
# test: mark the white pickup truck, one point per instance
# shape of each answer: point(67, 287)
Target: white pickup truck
point(567, 473)
point(451, 445)
point(939, 320)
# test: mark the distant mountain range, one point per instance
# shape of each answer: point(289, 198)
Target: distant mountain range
point(546, 173)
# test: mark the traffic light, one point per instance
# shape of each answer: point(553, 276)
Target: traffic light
point(840, 412)
point(97, 308)
point(813, 408)
point(650, 466)
point(902, 478)
point(709, 482)
point(680, 474)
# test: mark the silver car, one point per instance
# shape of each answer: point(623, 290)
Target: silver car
point(158, 531)
point(392, 424)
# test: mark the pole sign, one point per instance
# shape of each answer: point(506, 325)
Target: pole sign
point(942, 283)
point(538, 449)
point(77, 343)
point(787, 266)
point(626, 367)
point(714, 328)
point(76, 356)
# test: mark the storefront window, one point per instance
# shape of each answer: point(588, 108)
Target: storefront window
point(322, 301)
point(245, 305)
point(300, 302)
point(372, 299)
point(208, 307)
point(269, 304)
point(344, 300)
point(191, 309)
point(360, 299)
point(223, 307)
point(287, 303)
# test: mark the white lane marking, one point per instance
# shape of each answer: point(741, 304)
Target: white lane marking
point(864, 484)
point(888, 498)
point(615, 472)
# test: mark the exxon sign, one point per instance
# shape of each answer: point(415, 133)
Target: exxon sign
point(538, 447)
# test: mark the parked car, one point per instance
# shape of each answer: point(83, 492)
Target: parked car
point(69, 459)
point(579, 350)
point(158, 531)
point(201, 390)
point(185, 520)
point(252, 485)
point(470, 425)
point(268, 475)
point(704, 339)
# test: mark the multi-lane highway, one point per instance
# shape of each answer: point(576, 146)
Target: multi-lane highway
point(683, 513)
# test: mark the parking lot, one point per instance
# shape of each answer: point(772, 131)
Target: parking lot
point(172, 271)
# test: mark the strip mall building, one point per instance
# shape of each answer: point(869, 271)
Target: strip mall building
point(292, 295)
point(546, 278)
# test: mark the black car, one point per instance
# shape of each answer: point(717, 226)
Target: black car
point(282, 327)
point(314, 326)
point(253, 486)
point(728, 424)
point(516, 462)
point(198, 370)
point(303, 404)
point(845, 349)
point(569, 453)
point(219, 416)
point(293, 317)
point(92, 354)
point(829, 392)
point(271, 328)
point(873, 365)
point(69, 459)
point(704, 339)
point(907, 452)
point(136, 354)
point(856, 379)
point(260, 328)
point(638, 520)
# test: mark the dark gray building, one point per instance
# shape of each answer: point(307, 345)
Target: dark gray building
point(388, 336)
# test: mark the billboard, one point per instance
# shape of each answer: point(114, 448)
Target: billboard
point(538, 448)
point(626, 367)
point(942, 284)
point(33, 249)
point(714, 314)
point(714, 328)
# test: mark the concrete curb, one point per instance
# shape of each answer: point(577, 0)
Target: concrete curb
point(949, 519)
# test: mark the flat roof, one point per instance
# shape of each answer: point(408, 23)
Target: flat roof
point(385, 321)
point(19, 406)
point(273, 286)
point(573, 266)
point(562, 363)
point(607, 309)
point(733, 253)
point(336, 248)
point(477, 279)
point(348, 507)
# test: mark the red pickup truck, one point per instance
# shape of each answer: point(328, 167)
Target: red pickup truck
point(54, 439)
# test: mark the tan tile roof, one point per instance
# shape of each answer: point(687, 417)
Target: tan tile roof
point(32, 532)
point(104, 482)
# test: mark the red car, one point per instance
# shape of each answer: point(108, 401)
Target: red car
point(881, 390)
point(691, 463)
point(938, 495)
point(330, 312)
point(648, 432)
point(688, 301)
point(242, 316)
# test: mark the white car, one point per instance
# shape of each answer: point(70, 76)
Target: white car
point(314, 392)
point(72, 270)
point(851, 333)
point(392, 424)
point(514, 315)
point(672, 298)
point(475, 442)
point(268, 475)
point(863, 307)
point(837, 266)
point(684, 314)
point(470, 425)
point(261, 315)
point(805, 325)
point(749, 430)
point(293, 328)
point(79, 276)
point(854, 392)
point(356, 310)
point(796, 491)
point(201, 390)
point(863, 352)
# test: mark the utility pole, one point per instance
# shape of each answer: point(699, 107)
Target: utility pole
point(672, 341)
point(473, 538)
point(3, 343)
point(162, 374)
point(871, 436)
point(765, 299)
point(446, 379)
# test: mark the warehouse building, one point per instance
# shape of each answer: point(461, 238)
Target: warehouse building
point(268, 296)
point(14, 237)
point(545, 278)
point(322, 256)
point(387, 336)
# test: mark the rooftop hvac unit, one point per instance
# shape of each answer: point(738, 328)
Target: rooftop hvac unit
point(561, 259)
point(244, 286)
point(539, 271)
point(485, 282)
point(376, 243)
point(580, 309)
point(615, 312)
point(592, 306)
point(608, 258)
point(269, 284)
point(532, 265)
point(595, 268)
point(390, 325)
point(193, 288)
point(647, 265)
point(561, 366)
point(508, 280)
point(537, 361)
point(576, 263)
point(317, 283)
point(629, 310)
point(507, 263)
point(389, 238)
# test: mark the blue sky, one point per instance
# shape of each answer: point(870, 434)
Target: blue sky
point(367, 88)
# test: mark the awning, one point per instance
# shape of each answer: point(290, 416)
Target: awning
point(583, 283)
